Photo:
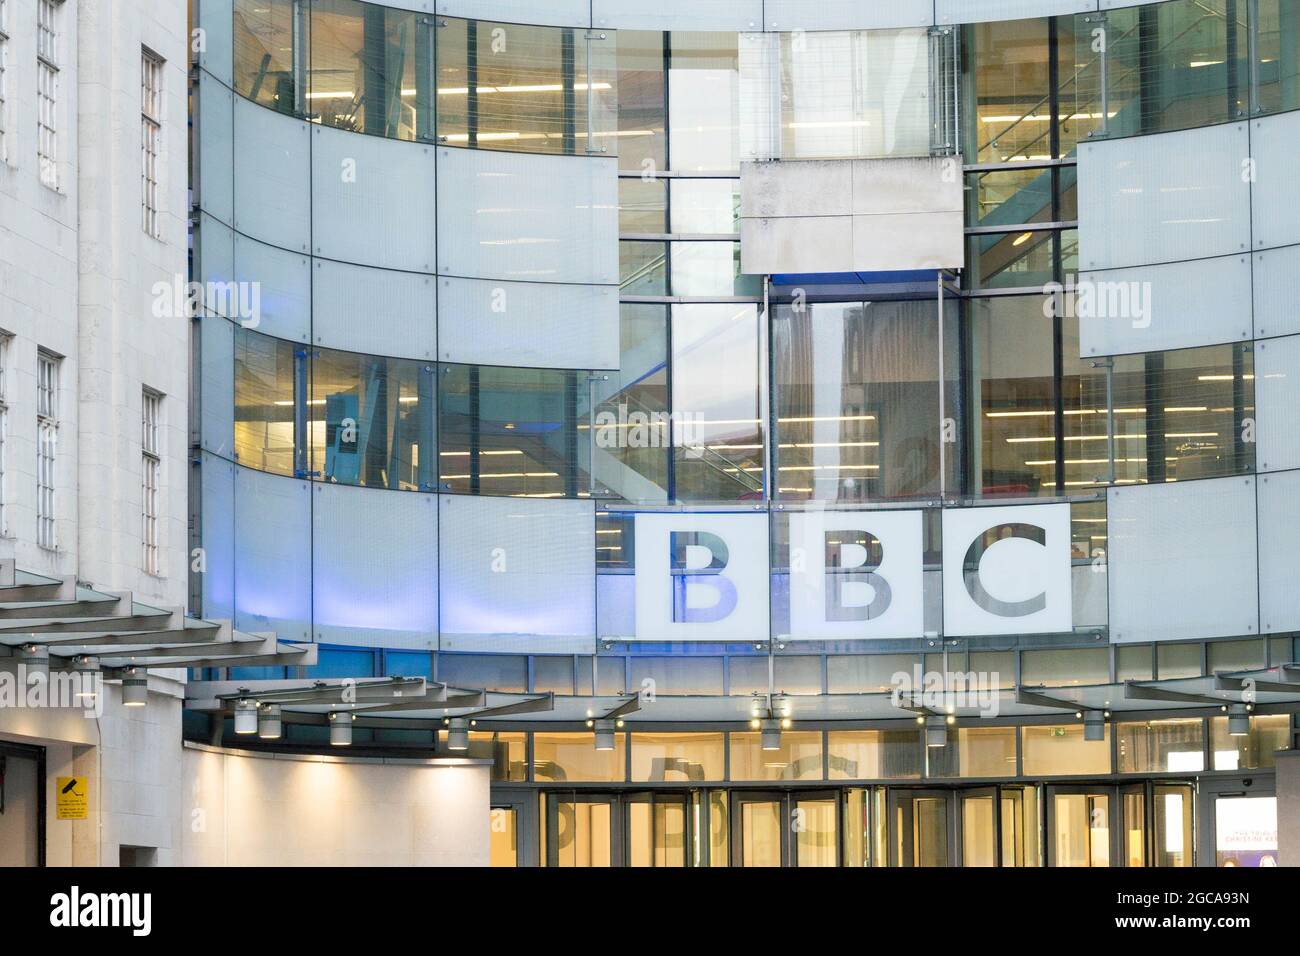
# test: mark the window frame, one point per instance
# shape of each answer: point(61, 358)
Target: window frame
point(151, 118)
point(151, 420)
point(47, 91)
point(48, 367)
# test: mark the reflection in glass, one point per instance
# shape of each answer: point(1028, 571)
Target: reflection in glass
point(760, 833)
point(1174, 829)
point(1021, 839)
point(1160, 746)
point(510, 431)
point(1082, 825)
point(263, 53)
point(642, 206)
point(264, 402)
point(641, 100)
point(857, 401)
point(715, 402)
point(1022, 259)
point(1257, 750)
point(583, 836)
point(642, 268)
point(658, 758)
point(560, 757)
point(705, 206)
point(503, 850)
point(816, 832)
point(371, 420)
point(703, 102)
point(799, 757)
point(1010, 197)
point(1060, 749)
point(978, 834)
point(1278, 55)
point(857, 827)
point(1007, 71)
point(1134, 830)
point(371, 69)
point(719, 829)
point(710, 269)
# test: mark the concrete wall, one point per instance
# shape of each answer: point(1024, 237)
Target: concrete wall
point(247, 809)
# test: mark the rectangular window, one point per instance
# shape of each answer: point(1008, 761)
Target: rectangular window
point(150, 138)
point(47, 91)
point(47, 435)
point(151, 473)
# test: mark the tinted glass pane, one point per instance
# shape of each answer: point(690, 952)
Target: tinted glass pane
point(263, 52)
point(264, 402)
point(641, 100)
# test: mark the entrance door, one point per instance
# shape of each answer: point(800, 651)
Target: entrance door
point(581, 830)
point(979, 827)
point(1081, 826)
point(657, 828)
point(22, 789)
point(1020, 833)
point(1133, 828)
point(923, 828)
point(759, 831)
point(1239, 822)
point(815, 829)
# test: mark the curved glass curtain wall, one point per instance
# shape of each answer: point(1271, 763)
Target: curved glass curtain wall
point(405, 75)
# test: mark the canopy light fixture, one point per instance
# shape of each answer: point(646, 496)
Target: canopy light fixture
point(245, 716)
point(35, 657)
point(457, 733)
point(1239, 719)
point(135, 688)
point(936, 729)
point(269, 722)
point(340, 728)
point(1094, 724)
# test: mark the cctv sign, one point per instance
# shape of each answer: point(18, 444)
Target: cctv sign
point(853, 575)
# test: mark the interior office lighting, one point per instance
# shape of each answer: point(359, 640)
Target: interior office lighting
point(245, 716)
point(270, 723)
point(1239, 719)
point(340, 728)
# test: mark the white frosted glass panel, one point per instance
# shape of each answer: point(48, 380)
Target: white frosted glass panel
point(1279, 558)
point(980, 11)
point(1274, 144)
point(272, 562)
point(528, 324)
point(1088, 583)
point(1277, 291)
point(216, 18)
point(1172, 306)
point(1277, 396)
point(704, 206)
point(1163, 198)
point(373, 200)
point(704, 110)
point(376, 311)
point(517, 575)
point(678, 14)
point(217, 385)
point(616, 605)
point(846, 14)
point(704, 268)
point(1182, 560)
point(560, 13)
point(835, 95)
point(218, 530)
point(216, 160)
point(527, 217)
point(272, 176)
point(214, 245)
point(375, 567)
point(282, 281)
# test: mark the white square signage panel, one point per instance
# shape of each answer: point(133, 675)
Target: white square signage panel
point(1007, 570)
point(701, 577)
point(844, 585)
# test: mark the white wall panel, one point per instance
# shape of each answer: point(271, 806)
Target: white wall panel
point(528, 324)
point(517, 574)
point(375, 567)
point(1277, 291)
point(1182, 560)
point(1279, 552)
point(283, 284)
point(1274, 145)
point(217, 384)
point(1277, 396)
point(216, 158)
point(560, 13)
point(678, 14)
point(273, 548)
point(218, 530)
point(373, 200)
point(217, 19)
point(497, 221)
point(214, 264)
point(272, 176)
point(786, 15)
point(1171, 306)
point(980, 11)
point(376, 311)
point(1164, 198)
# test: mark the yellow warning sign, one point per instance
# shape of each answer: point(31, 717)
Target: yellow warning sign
point(72, 798)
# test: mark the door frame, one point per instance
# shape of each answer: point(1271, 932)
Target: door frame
point(554, 797)
point(738, 799)
point(651, 797)
point(1110, 790)
point(1245, 784)
point(29, 752)
point(895, 794)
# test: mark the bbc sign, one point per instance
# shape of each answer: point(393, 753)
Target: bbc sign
point(706, 577)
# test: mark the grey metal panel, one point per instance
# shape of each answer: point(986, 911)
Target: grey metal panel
point(528, 324)
point(980, 11)
point(560, 13)
point(1275, 195)
point(375, 567)
point(376, 311)
point(216, 160)
point(727, 15)
point(1168, 197)
point(373, 200)
point(496, 222)
point(1170, 306)
point(272, 176)
point(1182, 560)
point(787, 15)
